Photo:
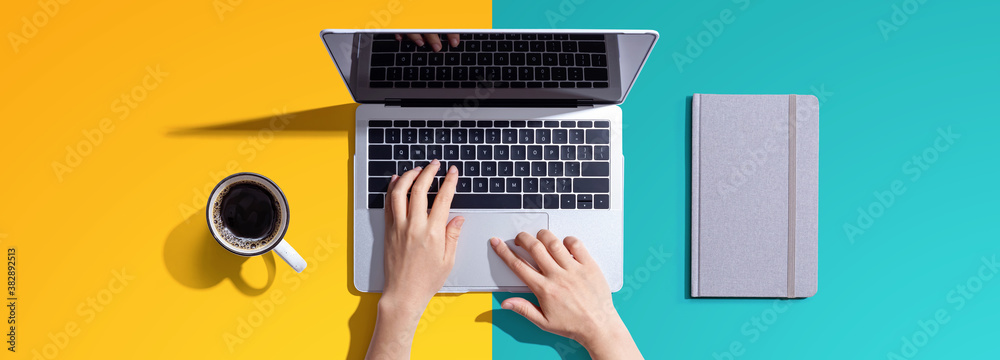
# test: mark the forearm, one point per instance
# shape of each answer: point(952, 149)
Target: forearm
point(612, 344)
point(394, 327)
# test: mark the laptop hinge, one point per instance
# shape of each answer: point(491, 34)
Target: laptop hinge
point(472, 102)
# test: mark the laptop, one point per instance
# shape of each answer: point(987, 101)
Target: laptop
point(529, 117)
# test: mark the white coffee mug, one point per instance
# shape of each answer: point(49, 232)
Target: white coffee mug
point(274, 240)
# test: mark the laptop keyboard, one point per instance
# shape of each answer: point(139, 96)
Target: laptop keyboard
point(492, 61)
point(502, 164)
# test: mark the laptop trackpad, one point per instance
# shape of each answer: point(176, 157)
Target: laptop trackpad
point(476, 264)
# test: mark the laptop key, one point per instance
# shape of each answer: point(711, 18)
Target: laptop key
point(522, 168)
point(479, 185)
point(598, 136)
point(501, 152)
point(595, 168)
point(486, 201)
point(584, 201)
point(532, 201)
point(538, 168)
point(591, 46)
point(376, 136)
point(376, 201)
point(529, 185)
point(509, 136)
point(547, 185)
point(590, 185)
point(599, 60)
point(584, 152)
point(576, 136)
point(471, 168)
point(582, 59)
point(379, 152)
point(492, 136)
point(468, 152)
point(409, 136)
point(451, 152)
point(505, 168)
point(543, 136)
point(602, 152)
point(392, 136)
point(564, 185)
point(602, 201)
point(403, 166)
point(381, 168)
point(402, 59)
point(484, 152)
point(435, 59)
point(555, 168)
point(526, 136)
point(497, 185)
point(595, 74)
point(551, 201)
point(380, 84)
point(488, 168)
point(417, 152)
point(426, 136)
point(551, 153)
point(385, 46)
point(517, 152)
point(513, 185)
point(534, 152)
point(464, 185)
point(376, 74)
point(434, 152)
point(442, 136)
point(568, 201)
point(459, 136)
point(378, 184)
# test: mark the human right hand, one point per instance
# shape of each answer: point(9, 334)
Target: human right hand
point(433, 39)
point(574, 296)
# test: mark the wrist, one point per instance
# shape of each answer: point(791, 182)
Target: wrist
point(400, 307)
point(606, 337)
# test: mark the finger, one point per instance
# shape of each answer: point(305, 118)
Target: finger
point(521, 268)
point(434, 40)
point(453, 39)
point(416, 38)
point(575, 247)
point(442, 203)
point(556, 248)
point(418, 193)
point(399, 191)
point(538, 252)
point(399, 37)
point(388, 202)
point(451, 233)
point(527, 309)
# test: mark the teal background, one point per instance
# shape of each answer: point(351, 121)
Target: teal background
point(889, 98)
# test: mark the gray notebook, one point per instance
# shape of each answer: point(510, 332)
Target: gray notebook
point(754, 195)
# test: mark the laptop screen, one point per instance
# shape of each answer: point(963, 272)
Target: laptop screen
point(596, 66)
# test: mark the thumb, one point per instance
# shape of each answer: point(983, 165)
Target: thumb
point(452, 231)
point(525, 308)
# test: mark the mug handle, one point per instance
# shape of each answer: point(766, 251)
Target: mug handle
point(287, 253)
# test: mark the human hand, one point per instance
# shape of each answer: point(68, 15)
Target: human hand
point(574, 296)
point(419, 247)
point(433, 39)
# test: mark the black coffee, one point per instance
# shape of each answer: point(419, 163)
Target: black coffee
point(247, 215)
point(248, 211)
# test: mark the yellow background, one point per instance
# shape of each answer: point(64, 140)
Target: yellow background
point(132, 205)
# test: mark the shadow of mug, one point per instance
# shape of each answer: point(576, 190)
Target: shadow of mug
point(196, 260)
